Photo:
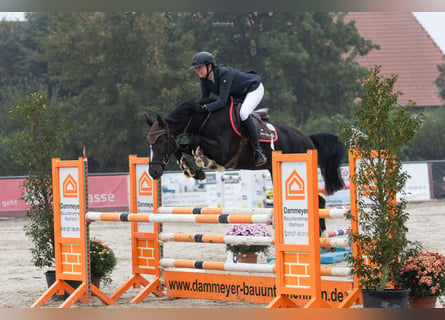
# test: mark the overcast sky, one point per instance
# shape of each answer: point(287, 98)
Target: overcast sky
point(433, 22)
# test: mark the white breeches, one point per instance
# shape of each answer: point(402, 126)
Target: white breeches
point(251, 101)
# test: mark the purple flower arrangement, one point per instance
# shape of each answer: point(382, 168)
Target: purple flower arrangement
point(247, 230)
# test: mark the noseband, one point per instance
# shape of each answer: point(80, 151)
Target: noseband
point(153, 136)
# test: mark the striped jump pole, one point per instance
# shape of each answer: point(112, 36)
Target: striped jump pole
point(207, 210)
point(236, 240)
point(335, 212)
point(339, 232)
point(215, 238)
point(242, 267)
point(335, 243)
point(168, 218)
point(219, 266)
point(336, 271)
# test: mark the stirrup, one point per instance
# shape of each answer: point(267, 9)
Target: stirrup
point(260, 158)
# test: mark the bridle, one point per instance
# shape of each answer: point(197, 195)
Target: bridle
point(153, 137)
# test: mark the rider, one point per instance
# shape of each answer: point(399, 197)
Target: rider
point(225, 82)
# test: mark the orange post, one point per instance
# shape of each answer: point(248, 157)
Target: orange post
point(71, 234)
point(297, 242)
point(144, 235)
point(355, 296)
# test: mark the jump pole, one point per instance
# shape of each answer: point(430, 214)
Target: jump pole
point(71, 236)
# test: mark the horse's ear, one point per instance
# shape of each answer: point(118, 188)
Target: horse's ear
point(161, 121)
point(149, 121)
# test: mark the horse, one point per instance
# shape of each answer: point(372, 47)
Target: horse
point(214, 144)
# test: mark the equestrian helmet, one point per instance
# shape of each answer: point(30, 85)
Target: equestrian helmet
point(202, 58)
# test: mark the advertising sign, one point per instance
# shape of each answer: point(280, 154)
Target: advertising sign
point(144, 196)
point(69, 202)
point(295, 205)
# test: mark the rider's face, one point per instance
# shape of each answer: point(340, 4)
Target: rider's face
point(202, 70)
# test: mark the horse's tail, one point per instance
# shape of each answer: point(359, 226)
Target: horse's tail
point(331, 152)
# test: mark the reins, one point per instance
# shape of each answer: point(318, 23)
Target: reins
point(153, 136)
point(204, 123)
point(185, 146)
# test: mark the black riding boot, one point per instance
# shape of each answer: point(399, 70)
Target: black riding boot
point(260, 157)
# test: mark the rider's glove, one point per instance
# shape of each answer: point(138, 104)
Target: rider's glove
point(204, 109)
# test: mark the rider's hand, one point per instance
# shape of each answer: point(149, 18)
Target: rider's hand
point(204, 109)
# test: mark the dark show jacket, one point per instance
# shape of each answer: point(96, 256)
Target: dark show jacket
point(228, 82)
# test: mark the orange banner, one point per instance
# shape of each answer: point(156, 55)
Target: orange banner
point(242, 288)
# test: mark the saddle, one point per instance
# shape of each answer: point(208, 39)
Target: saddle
point(266, 130)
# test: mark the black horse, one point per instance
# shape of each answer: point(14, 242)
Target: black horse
point(215, 145)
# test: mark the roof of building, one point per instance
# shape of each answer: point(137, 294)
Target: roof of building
point(406, 49)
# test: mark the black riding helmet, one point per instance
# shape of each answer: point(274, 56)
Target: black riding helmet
point(202, 58)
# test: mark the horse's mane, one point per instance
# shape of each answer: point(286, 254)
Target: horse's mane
point(186, 109)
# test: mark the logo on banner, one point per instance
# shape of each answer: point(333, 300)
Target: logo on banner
point(295, 187)
point(69, 187)
point(145, 185)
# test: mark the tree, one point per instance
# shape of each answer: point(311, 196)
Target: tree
point(21, 73)
point(440, 81)
point(305, 59)
point(111, 68)
point(429, 142)
point(37, 140)
point(380, 128)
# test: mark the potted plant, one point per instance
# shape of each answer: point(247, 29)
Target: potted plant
point(38, 138)
point(102, 262)
point(379, 129)
point(245, 252)
point(424, 275)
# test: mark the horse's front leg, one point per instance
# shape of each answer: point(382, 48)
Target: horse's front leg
point(188, 170)
point(204, 162)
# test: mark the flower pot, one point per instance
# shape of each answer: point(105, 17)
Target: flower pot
point(248, 257)
point(388, 298)
point(422, 302)
point(96, 281)
point(51, 278)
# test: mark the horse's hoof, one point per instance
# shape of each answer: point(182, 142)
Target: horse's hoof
point(200, 175)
